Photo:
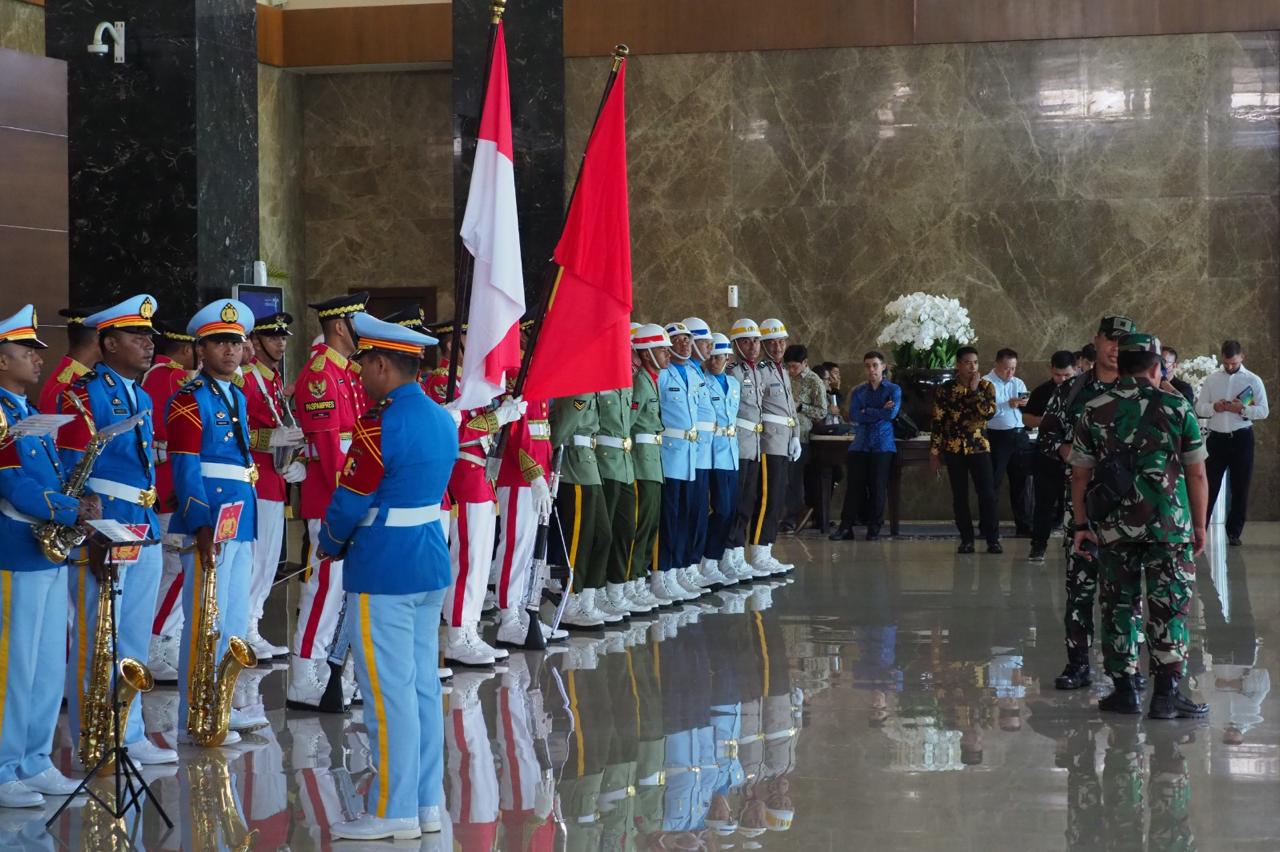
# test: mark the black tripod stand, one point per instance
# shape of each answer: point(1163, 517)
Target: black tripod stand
point(130, 788)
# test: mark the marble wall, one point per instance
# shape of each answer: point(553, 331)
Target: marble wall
point(1042, 183)
point(21, 27)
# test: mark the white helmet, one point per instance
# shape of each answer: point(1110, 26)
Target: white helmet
point(773, 329)
point(634, 326)
point(674, 328)
point(650, 336)
point(744, 328)
point(720, 345)
point(698, 328)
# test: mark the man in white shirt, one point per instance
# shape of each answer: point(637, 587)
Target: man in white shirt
point(1231, 399)
point(1010, 449)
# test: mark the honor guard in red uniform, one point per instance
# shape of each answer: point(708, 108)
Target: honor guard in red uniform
point(82, 352)
point(276, 443)
point(174, 364)
point(472, 525)
point(328, 400)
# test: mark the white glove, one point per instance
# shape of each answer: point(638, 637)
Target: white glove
point(286, 436)
point(794, 450)
point(541, 497)
point(457, 417)
point(511, 410)
point(294, 473)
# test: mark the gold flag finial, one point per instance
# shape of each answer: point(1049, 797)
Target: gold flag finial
point(496, 10)
point(619, 53)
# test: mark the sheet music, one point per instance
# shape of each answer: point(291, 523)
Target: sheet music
point(123, 426)
point(39, 425)
point(114, 531)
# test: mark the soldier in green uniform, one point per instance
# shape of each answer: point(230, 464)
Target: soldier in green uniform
point(1056, 430)
point(1155, 527)
point(581, 510)
point(651, 352)
point(618, 484)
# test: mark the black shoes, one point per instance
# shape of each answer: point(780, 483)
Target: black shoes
point(1077, 675)
point(1234, 540)
point(994, 547)
point(1123, 699)
point(842, 535)
point(1169, 702)
point(1037, 553)
point(965, 547)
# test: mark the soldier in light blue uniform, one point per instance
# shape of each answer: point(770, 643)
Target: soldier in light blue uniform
point(33, 590)
point(679, 388)
point(385, 522)
point(706, 426)
point(212, 468)
point(124, 478)
point(725, 394)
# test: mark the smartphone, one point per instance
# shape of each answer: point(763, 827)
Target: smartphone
point(1024, 395)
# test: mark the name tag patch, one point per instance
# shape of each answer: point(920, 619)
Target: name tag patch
point(324, 405)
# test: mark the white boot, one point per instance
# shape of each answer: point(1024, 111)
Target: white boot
point(582, 654)
point(712, 574)
point(512, 630)
point(576, 616)
point(759, 566)
point(591, 605)
point(658, 588)
point(618, 598)
point(641, 593)
point(610, 604)
point(163, 659)
point(734, 566)
point(688, 578)
point(496, 653)
point(305, 686)
point(769, 562)
point(462, 649)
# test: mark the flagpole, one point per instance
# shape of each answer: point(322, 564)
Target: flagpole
point(466, 263)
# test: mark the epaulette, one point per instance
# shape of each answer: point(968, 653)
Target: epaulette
point(69, 374)
point(373, 415)
point(83, 379)
point(192, 386)
point(317, 363)
point(173, 365)
point(440, 371)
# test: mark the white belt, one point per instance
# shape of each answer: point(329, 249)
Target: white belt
point(344, 444)
point(776, 419)
point(680, 434)
point(646, 438)
point(484, 442)
point(584, 441)
point(11, 511)
point(414, 517)
point(749, 425)
point(540, 429)
point(727, 431)
point(623, 444)
point(213, 470)
point(144, 497)
point(705, 426)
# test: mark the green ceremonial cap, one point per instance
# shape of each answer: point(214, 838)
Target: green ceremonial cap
point(1140, 342)
point(1115, 327)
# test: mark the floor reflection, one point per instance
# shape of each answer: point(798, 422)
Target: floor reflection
point(895, 696)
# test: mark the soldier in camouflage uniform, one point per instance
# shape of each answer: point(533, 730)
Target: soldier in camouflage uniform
point(1156, 529)
point(1056, 430)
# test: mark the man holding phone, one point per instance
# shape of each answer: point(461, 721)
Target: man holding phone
point(1010, 449)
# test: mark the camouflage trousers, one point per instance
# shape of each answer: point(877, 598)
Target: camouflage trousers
point(1082, 591)
point(1170, 581)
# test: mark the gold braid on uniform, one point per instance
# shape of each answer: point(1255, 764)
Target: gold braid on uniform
point(529, 468)
point(486, 421)
point(260, 440)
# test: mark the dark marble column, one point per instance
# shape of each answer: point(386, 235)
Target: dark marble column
point(163, 152)
point(535, 56)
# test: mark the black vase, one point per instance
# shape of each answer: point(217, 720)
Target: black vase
point(918, 387)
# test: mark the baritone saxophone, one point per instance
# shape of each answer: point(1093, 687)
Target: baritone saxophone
point(209, 690)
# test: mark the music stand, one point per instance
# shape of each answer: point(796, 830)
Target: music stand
point(112, 534)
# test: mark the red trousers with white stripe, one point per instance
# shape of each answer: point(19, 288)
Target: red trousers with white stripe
point(169, 617)
point(471, 550)
point(517, 528)
point(472, 779)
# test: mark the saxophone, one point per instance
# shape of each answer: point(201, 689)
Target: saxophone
point(209, 692)
point(216, 823)
point(56, 540)
point(96, 734)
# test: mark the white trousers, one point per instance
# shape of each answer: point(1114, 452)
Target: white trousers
point(517, 529)
point(169, 616)
point(321, 603)
point(472, 775)
point(266, 555)
point(470, 552)
point(521, 773)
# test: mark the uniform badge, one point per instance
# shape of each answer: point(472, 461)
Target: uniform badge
point(318, 387)
point(147, 309)
point(229, 313)
point(580, 404)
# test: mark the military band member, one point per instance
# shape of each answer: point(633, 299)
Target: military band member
point(82, 353)
point(327, 401)
point(33, 590)
point(171, 368)
point(680, 391)
point(750, 373)
point(700, 494)
point(1154, 532)
point(580, 508)
point(779, 446)
point(124, 479)
point(387, 504)
point(726, 395)
point(213, 472)
point(275, 443)
point(651, 352)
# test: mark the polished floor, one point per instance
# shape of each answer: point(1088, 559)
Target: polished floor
point(894, 696)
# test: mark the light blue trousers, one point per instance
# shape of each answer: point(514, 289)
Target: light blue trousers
point(33, 659)
point(234, 571)
point(394, 640)
point(135, 609)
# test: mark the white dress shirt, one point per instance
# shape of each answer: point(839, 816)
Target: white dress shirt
point(1231, 386)
point(1006, 416)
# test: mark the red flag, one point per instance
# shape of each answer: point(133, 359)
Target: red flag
point(585, 342)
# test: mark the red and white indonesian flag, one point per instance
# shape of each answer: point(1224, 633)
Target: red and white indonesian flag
point(491, 234)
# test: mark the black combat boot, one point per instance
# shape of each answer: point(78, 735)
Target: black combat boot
point(1169, 702)
point(332, 699)
point(1123, 699)
point(1077, 674)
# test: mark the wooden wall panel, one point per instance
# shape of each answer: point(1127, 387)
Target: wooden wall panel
point(33, 180)
point(270, 35)
point(34, 94)
point(368, 35)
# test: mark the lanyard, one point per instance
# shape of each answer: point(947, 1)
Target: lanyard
point(144, 457)
point(236, 427)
